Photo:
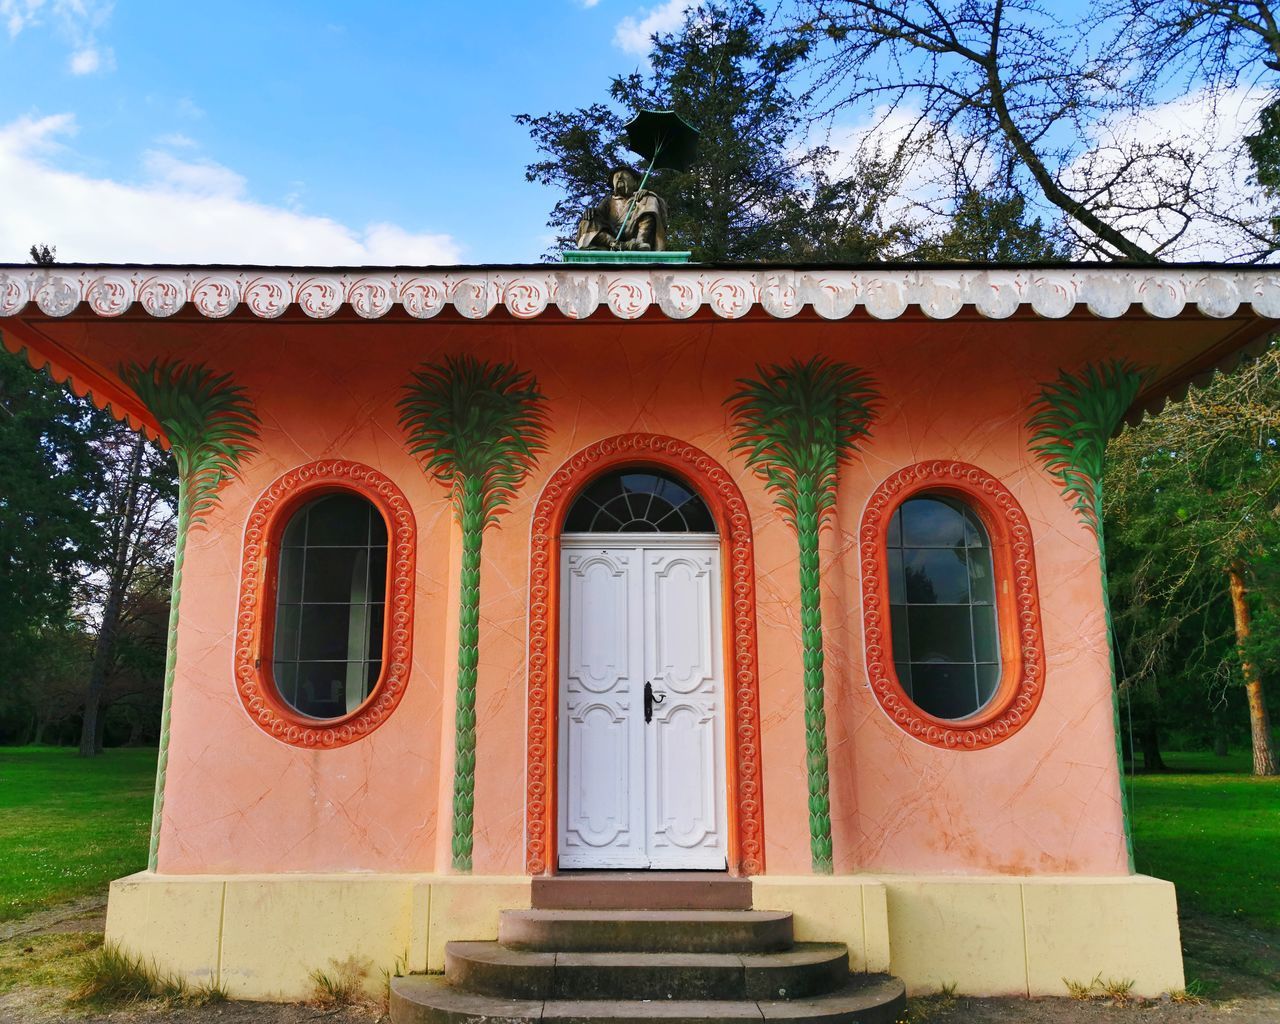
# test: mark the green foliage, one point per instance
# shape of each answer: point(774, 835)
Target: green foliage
point(50, 483)
point(797, 423)
point(760, 190)
point(68, 826)
point(469, 420)
point(1264, 150)
point(209, 422)
point(990, 227)
point(477, 427)
point(1190, 493)
point(1071, 423)
point(211, 427)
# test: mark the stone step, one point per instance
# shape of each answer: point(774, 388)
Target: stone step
point(650, 931)
point(642, 890)
point(489, 968)
point(422, 999)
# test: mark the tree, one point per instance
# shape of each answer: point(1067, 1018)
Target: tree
point(993, 228)
point(44, 255)
point(759, 190)
point(1069, 428)
point(1200, 485)
point(796, 424)
point(1003, 95)
point(478, 428)
point(211, 427)
point(133, 564)
point(52, 479)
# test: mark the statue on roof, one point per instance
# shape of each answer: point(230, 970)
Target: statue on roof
point(631, 219)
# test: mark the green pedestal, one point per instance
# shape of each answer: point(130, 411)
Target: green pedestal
point(606, 256)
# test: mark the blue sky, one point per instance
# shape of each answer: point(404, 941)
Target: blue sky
point(146, 130)
point(330, 133)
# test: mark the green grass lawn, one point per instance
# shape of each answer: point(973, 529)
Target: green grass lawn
point(1212, 829)
point(68, 825)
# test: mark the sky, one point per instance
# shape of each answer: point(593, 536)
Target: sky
point(319, 132)
point(286, 132)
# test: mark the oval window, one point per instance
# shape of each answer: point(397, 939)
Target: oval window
point(330, 598)
point(942, 604)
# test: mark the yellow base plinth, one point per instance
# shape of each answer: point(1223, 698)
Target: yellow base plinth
point(263, 936)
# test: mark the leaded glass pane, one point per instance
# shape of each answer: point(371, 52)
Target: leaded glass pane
point(638, 501)
point(330, 594)
point(942, 621)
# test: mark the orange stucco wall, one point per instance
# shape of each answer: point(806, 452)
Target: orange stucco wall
point(1045, 800)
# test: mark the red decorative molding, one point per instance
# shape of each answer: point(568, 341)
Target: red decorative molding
point(717, 488)
point(1017, 606)
point(257, 603)
point(103, 388)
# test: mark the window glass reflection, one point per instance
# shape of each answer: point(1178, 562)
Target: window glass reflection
point(946, 647)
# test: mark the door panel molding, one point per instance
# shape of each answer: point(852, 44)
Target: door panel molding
point(717, 488)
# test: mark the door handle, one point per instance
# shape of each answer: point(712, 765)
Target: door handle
point(650, 699)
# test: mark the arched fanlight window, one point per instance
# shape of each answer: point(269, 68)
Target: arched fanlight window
point(639, 501)
point(330, 600)
point(942, 602)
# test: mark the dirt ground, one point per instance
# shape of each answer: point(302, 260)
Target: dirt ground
point(1233, 972)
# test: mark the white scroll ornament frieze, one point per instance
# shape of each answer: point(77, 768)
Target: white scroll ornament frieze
point(630, 292)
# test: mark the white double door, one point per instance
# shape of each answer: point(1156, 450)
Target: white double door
point(637, 794)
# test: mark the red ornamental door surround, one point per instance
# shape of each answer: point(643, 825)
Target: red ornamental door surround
point(716, 487)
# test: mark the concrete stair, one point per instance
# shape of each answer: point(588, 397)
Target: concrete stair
point(574, 966)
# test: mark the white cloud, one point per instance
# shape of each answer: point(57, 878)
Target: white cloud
point(588, 4)
point(176, 140)
point(633, 33)
point(195, 177)
point(188, 211)
point(77, 21)
point(1184, 155)
point(86, 62)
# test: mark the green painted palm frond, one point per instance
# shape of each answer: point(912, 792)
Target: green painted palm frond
point(209, 421)
point(1072, 422)
point(472, 420)
point(798, 422)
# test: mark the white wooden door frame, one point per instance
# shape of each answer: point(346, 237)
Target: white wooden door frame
point(634, 831)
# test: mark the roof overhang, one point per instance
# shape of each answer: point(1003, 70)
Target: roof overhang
point(1240, 306)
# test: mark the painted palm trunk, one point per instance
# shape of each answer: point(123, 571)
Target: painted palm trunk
point(478, 428)
point(796, 423)
point(211, 428)
point(1070, 426)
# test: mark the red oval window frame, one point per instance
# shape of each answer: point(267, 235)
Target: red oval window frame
point(1017, 605)
point(258, 580)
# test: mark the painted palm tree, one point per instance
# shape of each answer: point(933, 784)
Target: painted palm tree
point(1070, 426)
point(211, 428)
point(796, 424)
point(477, 427)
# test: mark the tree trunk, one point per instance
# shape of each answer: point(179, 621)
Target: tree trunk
point(101, 730)
point(117, 579)
point(815, 711)
point(1220, 747)
point(135, 730)
point(464, 770)
point(1151, 759)
point(1264, 755)
point(170, 671)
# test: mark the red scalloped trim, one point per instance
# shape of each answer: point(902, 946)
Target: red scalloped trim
point(253, 622)
point(1018, 613)
point(717, 488)
point(85, 380)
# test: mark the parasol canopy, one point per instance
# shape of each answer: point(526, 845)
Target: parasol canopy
point(664, 138)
